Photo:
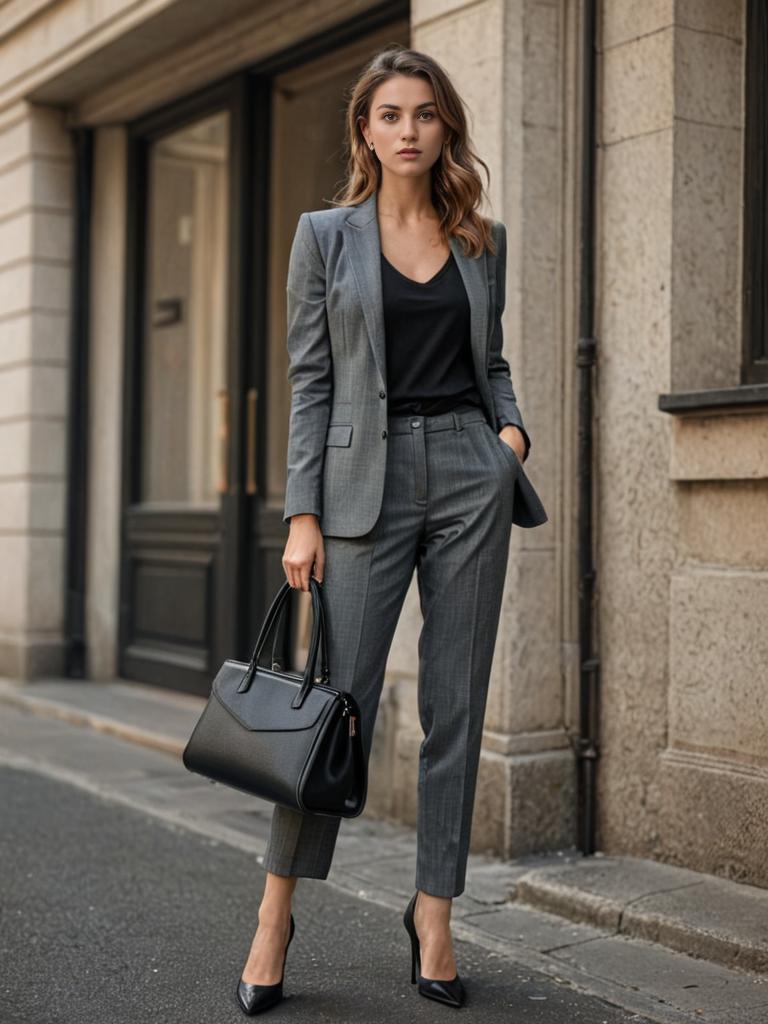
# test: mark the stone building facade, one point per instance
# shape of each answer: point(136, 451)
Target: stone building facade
point(152, 147)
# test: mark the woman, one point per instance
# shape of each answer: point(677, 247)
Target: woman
point(405, 452)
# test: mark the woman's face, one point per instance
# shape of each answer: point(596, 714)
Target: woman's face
point(403, 116)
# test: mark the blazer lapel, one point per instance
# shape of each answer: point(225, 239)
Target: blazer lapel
point(361, 230)
point(474, 275)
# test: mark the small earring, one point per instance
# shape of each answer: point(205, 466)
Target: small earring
point(371, 145)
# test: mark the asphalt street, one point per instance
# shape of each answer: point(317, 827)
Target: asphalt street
point(111, 915)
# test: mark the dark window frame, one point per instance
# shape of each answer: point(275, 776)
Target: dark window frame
point(754, 369)
point(752, 392)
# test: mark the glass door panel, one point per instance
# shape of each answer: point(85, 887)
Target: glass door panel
point(185, 405)
point(179, 550)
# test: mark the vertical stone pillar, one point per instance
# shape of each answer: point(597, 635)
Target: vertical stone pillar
point(36, 169)
point(681, 641)
point(105, 414)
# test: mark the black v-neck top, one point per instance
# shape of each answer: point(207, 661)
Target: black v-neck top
point(427, 328)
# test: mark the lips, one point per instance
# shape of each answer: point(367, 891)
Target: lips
point(413, 151)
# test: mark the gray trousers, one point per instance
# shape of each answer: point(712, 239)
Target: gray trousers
point(447, 512)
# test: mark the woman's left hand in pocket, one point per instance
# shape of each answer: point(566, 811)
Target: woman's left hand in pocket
point(513, 437)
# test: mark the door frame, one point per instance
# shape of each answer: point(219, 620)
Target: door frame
point(245, 97)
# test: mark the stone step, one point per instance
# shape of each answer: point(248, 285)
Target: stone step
point(699, 914)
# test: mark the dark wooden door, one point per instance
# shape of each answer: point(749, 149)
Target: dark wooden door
point(192, 199)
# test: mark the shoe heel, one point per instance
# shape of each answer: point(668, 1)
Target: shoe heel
point(412, 934)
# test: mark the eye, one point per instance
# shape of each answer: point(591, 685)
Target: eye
point(391, 113)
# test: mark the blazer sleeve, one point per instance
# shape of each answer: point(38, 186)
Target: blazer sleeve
point(499, 376)
point(310, 373)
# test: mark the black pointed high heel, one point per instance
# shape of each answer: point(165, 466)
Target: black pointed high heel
point(253, 998)
point(451, 991)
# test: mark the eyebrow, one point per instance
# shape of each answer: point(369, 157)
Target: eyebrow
point(394, 106)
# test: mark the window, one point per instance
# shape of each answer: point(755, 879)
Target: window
point(755, 318)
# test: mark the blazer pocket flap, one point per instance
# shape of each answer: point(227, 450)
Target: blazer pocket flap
point(339, 435)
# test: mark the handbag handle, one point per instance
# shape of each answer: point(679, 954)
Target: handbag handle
point(273, 662)
point(318, 651)
point(318, 634)
point(317, 647)
point(318, 642)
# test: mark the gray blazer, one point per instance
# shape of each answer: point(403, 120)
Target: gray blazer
point(337, 441)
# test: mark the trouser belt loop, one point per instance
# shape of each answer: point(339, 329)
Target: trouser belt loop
point(457, 420)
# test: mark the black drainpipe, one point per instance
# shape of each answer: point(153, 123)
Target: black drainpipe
point(586, 362)
point(77, 450)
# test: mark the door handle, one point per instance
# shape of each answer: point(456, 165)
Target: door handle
point(223, 438)
point(251, 421)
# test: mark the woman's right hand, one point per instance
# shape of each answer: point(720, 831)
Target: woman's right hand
point(303, 550)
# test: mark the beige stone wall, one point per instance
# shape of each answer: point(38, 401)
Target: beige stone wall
point(683, 588)
point(35, 229)
point(714, 769)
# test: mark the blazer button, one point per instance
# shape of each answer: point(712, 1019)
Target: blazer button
point(382, 394)
point(383, 433)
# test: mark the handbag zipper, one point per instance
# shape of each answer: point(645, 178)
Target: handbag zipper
point(352, 718)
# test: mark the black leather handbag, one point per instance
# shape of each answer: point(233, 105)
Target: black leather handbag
point(286, 737)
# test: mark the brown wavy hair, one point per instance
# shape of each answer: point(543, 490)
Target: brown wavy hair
point(456, 186)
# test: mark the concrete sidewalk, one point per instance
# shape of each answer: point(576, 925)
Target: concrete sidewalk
point(660, 941)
